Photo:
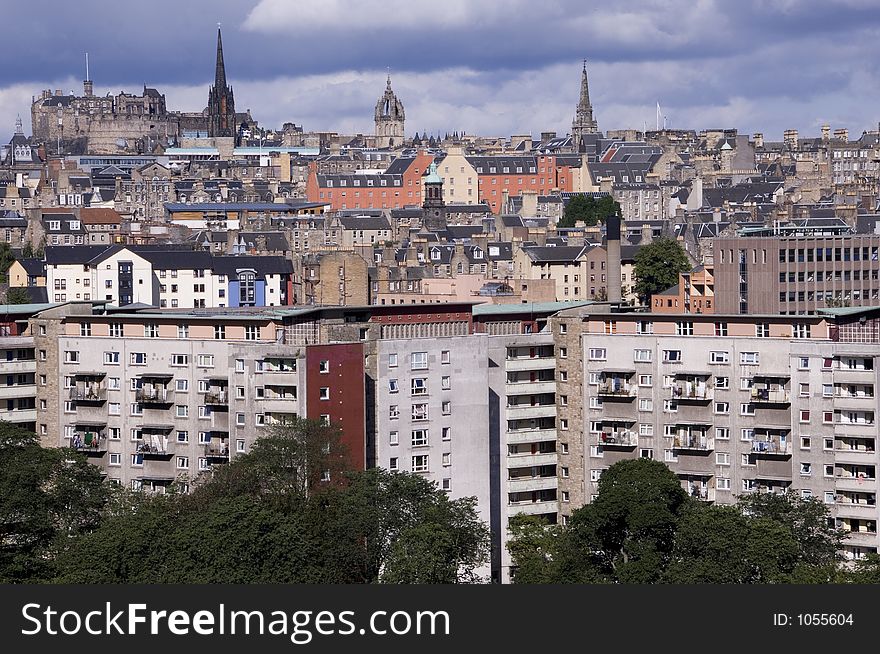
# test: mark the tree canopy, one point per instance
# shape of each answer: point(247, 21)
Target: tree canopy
point(588, 209)
point(272, 516)
point(17, 295)
point(657, 267)
point(643, 528)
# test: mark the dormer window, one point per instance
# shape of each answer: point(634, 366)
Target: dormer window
point(74, 225)
point(54, 225)
point(478, 253)
point(435, 255)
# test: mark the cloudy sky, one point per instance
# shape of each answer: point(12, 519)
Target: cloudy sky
point(480, 66)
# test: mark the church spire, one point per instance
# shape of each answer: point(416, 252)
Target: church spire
point(583, 122)
point(220, 70)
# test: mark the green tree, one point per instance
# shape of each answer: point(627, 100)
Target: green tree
point(48, 498)
point(657, 267)
point(17, 295)
point(806, 518)
point(27, 252)
point(588, 209)
point(721, 545)
point(534, 549)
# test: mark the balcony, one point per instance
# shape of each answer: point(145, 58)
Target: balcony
point(858, 510)
point(525, 411)
point(92, 444)
point(26, 365)
point(526, 484)
point(770, 396)
point(155, 452)
point(702, 493)
point(771, 448)
point(532, 508)
point(864, 538)
point(218, 398)
point(849, 482)
point(860, 455)
point(531, 435)
point(615, 390)
point(855, 375)
point(699, 443)
point(530, 460)
point(620, 438)
point(16, 391)
point(156, 397)
point(684, 392)
point(217, 451)
point(92, 395)
point(530, 387)
point(530, 363)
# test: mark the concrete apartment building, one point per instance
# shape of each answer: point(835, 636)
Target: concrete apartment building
point(18, 366)
point(795, 273)
point(157, 398)
point(732, 404)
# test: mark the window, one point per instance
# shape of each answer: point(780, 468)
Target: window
point(179, 360)
point(719, 357)
point(446, 459)
point(684, 328)
point(762, 330)
point(722, 458)
point(444, 356)
point(393, 412)
point(598, 354)
point(183, 331)
point(804, 390)
point(670, 455)
point(111, 358)
point(239, 365)
point(747, 409)
point(420, 463)
point(115, 459)
point(722, 407)
point(137, 460)
point(419, 412)
point(805, 416)
point(138, 358)
point(803, 363)
point(205, 360)
point(393, 438)
point(672, 356)
point(670, 406)
point(392, 360)
point(720, 329)
point(151, 330)
point(419, 386)
point(722, 433)
point(829, 469)
point(71, 356)
point(85, 328)
point(392, 386)
point(251, 332)
point(324, 367)
point(419, 360)
point(827, 390)
point(563, 328)
point(829, 497)
point(645, 380)
point(114, 408)
point(392, 464)
point(203, 464)
point(445, 383)
point(183, 437)
point(806, 469)
point(239, 445)
point(563, 353)
point(642, 356)
point(644, 327)
point(646, 404)
point(324, 393)
point(181, 410)
point(748, 358)
point(183, 463)
point(722, 383)
point(239, 419)
point(646, 429)
point(446, 408)
point(828, 417)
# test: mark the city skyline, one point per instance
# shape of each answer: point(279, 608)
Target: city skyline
point(762, 67)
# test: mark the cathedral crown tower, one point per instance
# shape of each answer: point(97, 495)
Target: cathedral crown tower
point(389, 117)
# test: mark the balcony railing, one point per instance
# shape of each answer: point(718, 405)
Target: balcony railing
point(699, 443)
point(153, 396)
point(88, 395)
point(217, 451)
point(771, 448)
point(217, 397)
point(769, 396)
point(684, 393)
point(612, 390)
point(624, 438)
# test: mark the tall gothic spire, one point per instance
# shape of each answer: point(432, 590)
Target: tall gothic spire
point(583, 122)
point(220, 71)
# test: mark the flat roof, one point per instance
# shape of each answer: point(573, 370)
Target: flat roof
point(528, 307)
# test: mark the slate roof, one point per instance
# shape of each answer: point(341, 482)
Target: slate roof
point(365, 223)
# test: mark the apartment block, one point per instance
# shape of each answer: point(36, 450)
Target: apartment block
point(795, 273)
point(18, 366)
point(732, 404)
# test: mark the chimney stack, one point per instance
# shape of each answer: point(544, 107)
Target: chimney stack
point(826, 132)
point(842, 134)
point(790, 138)
point(612, 249)
point(758, 138)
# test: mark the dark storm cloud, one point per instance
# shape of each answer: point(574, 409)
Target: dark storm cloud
point(764, 64)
